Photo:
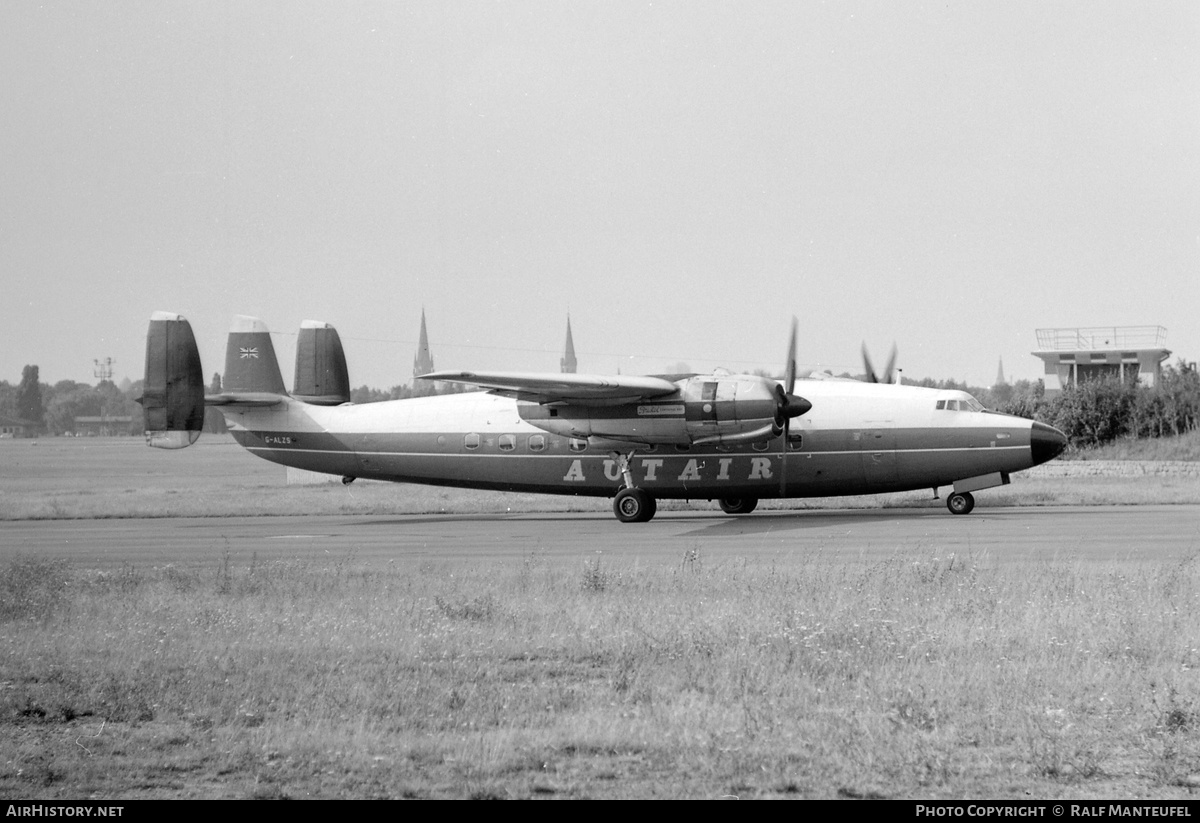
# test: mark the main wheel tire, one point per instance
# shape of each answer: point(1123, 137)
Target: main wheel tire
point(960, 503)
point(738, 505)
point(634, 506)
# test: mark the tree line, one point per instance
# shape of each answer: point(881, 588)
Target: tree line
point(53, 409)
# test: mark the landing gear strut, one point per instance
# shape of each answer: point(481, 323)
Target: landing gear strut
point(632, 505)
point(960, 503)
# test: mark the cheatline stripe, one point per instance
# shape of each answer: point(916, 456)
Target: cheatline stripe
point(646, 455)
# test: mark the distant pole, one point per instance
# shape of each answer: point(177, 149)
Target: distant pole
point(104, 368)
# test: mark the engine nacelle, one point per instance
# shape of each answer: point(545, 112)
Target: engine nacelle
point(710, 409)
point(731, 409)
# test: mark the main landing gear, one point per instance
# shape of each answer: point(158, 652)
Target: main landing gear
point(738, 505)
point(960, 503)
point(632, 505)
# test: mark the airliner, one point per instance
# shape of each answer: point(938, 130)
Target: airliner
point(733, 438)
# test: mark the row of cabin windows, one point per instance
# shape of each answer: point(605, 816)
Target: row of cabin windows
point(508, 442)
point(537, 443)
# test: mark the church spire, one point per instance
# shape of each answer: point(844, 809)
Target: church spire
point(423, 362)
point(1000, 373)
point(568, 362)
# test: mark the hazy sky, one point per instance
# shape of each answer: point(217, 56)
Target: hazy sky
point(682, 177)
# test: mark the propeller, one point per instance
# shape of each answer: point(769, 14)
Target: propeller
point(789, 405)
point(888, 373)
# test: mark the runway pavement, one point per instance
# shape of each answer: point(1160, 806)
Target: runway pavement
point(1149, 533)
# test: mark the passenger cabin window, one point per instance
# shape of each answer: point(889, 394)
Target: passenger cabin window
point(795, 441)
point(577, 445)
point(471, 441)
point(537, 443)
point(941, 404)
point(508, 442)
point(762, 445)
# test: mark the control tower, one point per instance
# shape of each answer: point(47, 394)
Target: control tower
point(1122, 352)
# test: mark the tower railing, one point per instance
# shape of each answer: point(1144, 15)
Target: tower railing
point(1102, 338)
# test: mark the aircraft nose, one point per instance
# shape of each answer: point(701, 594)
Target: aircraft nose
point(1045, 443)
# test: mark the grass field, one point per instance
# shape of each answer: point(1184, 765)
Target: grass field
point(922, 676)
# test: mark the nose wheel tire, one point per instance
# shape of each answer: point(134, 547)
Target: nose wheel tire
point(634, 506)
point(738, 505)
point(960, 503)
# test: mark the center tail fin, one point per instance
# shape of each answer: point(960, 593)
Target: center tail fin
point(250, 364)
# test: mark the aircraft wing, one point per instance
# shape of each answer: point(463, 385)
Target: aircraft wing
point(574, 389)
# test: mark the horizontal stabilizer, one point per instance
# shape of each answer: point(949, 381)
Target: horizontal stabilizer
point(173, 390)
point(245, 398)
point(576, 389)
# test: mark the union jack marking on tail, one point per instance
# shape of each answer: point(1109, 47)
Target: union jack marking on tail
point(247, 353)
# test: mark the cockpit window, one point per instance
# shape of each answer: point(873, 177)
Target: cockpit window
point(965, 403)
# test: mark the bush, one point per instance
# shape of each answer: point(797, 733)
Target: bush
point(1100, 411)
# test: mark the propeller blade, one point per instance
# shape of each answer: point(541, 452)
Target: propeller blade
point(788, 406)
point(789, 374)
point(869, 369)
point(888, 375)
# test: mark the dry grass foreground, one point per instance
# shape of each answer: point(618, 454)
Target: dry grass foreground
point(918, 677)
point(802, 676)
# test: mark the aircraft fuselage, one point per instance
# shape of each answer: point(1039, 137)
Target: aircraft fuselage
point(858, 438)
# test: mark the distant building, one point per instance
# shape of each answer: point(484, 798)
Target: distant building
point(106, 426)
point(568, 361)
point(1127, 353)
point(16, 427)
point(1000, 381)
point(423, 362)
